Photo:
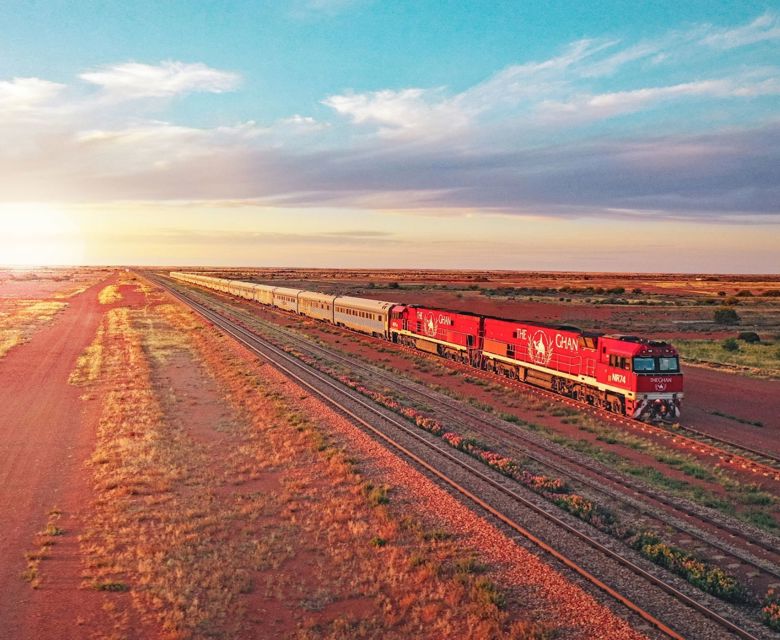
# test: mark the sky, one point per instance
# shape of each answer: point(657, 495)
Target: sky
point(556, 135)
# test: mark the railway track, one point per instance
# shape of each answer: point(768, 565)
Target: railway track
point(667, 608)
point(726, 539)
point(729, 453)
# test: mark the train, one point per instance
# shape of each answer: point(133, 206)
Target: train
point(628, 375)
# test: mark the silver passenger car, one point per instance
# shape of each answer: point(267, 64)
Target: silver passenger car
point(361, 314)
point(316, 305)
point(285, 298)
point(243, 289)
point(264, 294)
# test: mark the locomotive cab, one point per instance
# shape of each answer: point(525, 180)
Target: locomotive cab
point(649, 371)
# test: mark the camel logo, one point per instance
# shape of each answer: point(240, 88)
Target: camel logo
point(540, 348)
point(431, 326)
point(661, 383)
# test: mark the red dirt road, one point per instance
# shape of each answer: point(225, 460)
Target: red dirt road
point(43, 447)
point(752, 399)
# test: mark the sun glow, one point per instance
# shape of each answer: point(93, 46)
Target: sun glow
point(38, 234)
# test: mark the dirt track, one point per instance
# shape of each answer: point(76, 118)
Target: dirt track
point(43, 446)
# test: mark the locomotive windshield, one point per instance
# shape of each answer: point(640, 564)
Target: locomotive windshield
point(644, 364)
point(667, 364)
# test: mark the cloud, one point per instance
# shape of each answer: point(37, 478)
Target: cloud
point(557, 91)
point(24, 93)
point(135, 80)
point(415, 111)
point(604, 105)
point(425, 113)
point(765, 27)
point(231, 238)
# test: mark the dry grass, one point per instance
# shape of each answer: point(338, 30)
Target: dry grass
point(72, 292)
point(109, 295)
point(129, 278)
point(20, 318)
point(43, 541)
point(89, 363)
point(202, 524)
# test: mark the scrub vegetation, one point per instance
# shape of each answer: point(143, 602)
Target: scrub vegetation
point(762, 358)
point(19, 319)
point(109, 295)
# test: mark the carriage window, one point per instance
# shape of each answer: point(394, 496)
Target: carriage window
point(668, 364)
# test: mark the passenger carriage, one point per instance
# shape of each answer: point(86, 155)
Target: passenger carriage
point(285, 298)
point(362, 314)
point(316, 305)
point(264, 294)
point(244, 290)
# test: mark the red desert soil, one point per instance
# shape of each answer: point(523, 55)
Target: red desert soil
point(44, 283)
point(44, 441)
point(746, 398)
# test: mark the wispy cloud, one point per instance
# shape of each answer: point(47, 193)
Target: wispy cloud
point(233, 239)
point(605, 105)
point(765, 27)
point(135, 80)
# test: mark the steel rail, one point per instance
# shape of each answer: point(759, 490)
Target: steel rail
point(252, 341)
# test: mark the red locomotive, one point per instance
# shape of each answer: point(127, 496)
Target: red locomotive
point(634, 376)
point(452, 334)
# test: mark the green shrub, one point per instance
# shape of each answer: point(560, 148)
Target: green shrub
point(698, 572)
point(726, 315)
point(770, 611)
point(751, 337)
point(730, 344)
point(375, 495)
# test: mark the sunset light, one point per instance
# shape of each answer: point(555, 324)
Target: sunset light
point(390, 319)
point(39, 234)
